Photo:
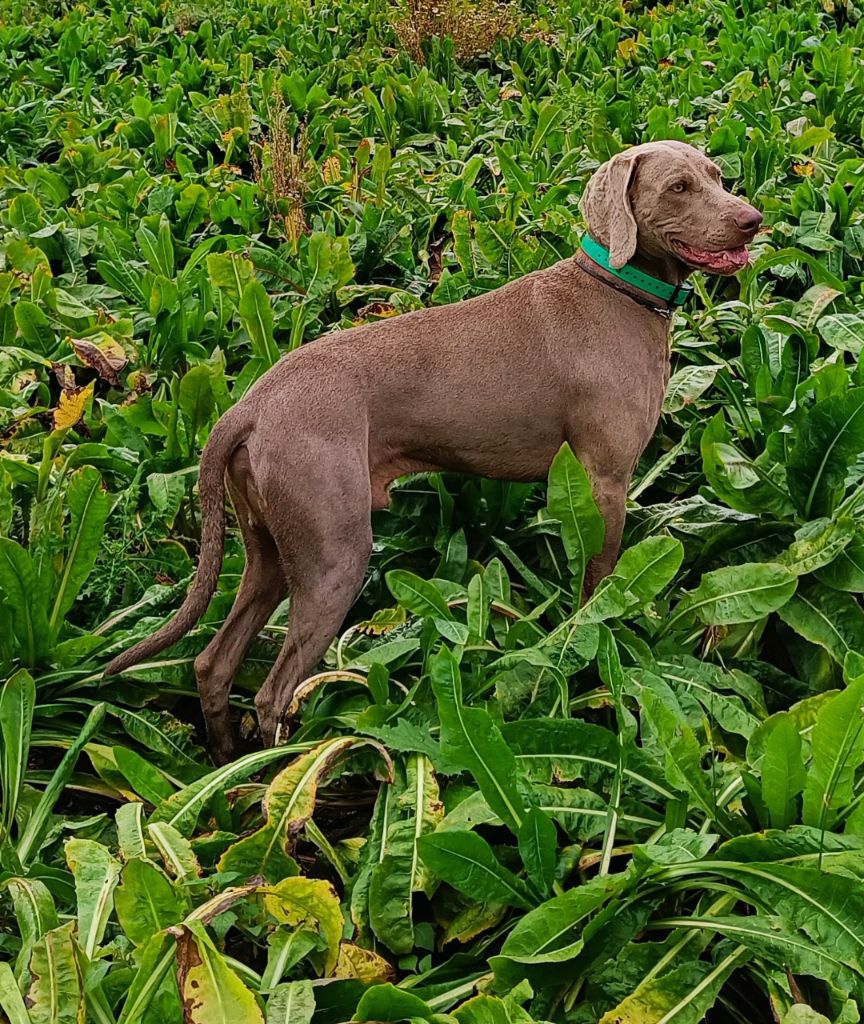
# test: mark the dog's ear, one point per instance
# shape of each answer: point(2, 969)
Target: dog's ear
point(606, 207)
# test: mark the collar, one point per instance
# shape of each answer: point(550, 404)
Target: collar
point(671, 294)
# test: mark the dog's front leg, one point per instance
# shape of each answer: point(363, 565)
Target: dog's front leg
point(610, 494)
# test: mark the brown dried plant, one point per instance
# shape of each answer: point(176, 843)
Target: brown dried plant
point(282, 169)
point(473, 25)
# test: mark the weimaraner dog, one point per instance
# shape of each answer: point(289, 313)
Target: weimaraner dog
point(493, 385)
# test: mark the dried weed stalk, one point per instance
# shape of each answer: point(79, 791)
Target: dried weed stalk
point(473, 25)
point(282, 169)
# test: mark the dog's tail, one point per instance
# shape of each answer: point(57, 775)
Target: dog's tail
point(224, 440)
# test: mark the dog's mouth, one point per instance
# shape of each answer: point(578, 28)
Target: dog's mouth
point(719, 261)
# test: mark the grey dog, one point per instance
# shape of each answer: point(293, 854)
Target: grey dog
point(493, 386)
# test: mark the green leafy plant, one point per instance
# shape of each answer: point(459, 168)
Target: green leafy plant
point(496, 804)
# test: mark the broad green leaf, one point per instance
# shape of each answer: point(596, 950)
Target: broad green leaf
point(285, 950)
point(291, 1003)
point(817, 544)
point(382, 1003)
point(485, 1010)
point(679, 846)
point(837, 751)
point(782, 770)
point(800, 844)
point(551, 934)
point(477, 613)
point(384, 817)
point(34, 326)
point(471, 739)
point(571, 501)
point(24, 595)
point(827, 442)
point(230, 272)
point(828, 907)
point(680, 996)
point(709, 685)
point(256, 316)
point(687, 385)
point(158, 248)
point(641, 573)
point(176, 851)
point(191, 208)
point(17, 701)
point(843, 331)
point(89, 504)
point(11, 1000)
point(538, 842)
point(211, 991)
point(196, 399)
point(647, 567)
point(827, 617)
point(38, 821)
point(777, 940)
point(56, 992)
point(846, 572)
point(131, 837)
point(288, 803)
point(398, 871)
point(146, 780)
point(145, 901)
point(799, 1013)
point(417, 595)
point(34, 911)
point(155, 963)
point(95, 872)
point(682, 751)
point(183, 808)
point(467, 862)
point(738, 593)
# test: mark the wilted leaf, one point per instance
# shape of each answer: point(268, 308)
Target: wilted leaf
point(104, 354)
point(70, 407)
point(211, 991)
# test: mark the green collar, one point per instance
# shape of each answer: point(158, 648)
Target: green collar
point(674, 294)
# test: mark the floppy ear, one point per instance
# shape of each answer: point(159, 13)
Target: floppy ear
point(606, 207)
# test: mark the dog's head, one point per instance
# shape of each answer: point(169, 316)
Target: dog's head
point(666, 199)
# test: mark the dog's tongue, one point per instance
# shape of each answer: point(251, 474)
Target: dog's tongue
point(727, 261)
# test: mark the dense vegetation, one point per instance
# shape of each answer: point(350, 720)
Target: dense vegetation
point(495, 806)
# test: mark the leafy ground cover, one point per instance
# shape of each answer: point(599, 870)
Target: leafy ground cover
point(495, 806)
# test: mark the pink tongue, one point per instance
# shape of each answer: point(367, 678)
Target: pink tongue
point(729, 261)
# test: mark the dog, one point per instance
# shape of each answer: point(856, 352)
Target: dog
point(493, 385)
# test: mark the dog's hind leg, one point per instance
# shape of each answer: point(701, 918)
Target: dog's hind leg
point(261, 589)
point(324, 535)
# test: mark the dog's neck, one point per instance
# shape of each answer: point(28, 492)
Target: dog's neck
point(669, 271)
point(666, 268)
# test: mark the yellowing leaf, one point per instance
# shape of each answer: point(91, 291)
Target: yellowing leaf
point(627, 49)
point(308, 686)
point(288, 804)
point(71, 407)
point(211, 992)
point(56, 993)
point(363, 964)
point(299, 900)
point(383, 621)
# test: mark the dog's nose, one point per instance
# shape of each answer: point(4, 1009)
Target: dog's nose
point(748, 219)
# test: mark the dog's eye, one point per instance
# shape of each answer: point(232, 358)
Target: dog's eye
point(679, 186)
